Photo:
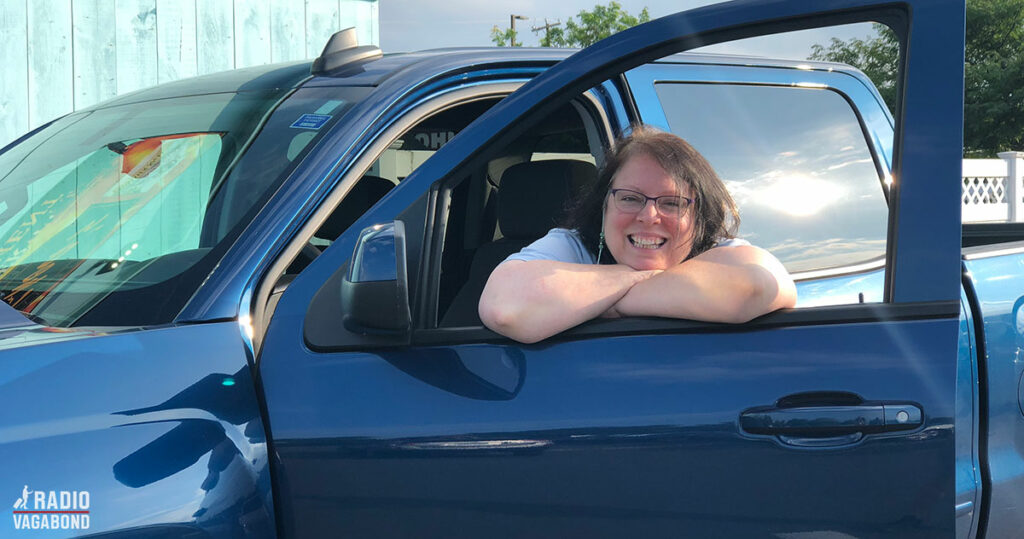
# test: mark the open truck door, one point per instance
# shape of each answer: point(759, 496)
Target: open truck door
point(833, 420)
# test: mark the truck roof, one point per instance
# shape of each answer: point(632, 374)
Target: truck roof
point(282, 76)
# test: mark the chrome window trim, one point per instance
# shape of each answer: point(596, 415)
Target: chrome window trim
point(874, 121)
point(840, 271)
point(989, 251)
point(604, 130)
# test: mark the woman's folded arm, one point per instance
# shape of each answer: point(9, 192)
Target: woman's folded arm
point(725, 284)
point(531, 300)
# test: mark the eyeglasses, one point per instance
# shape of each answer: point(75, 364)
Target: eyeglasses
point(628, 201)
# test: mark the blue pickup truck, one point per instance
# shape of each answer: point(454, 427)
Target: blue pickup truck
point(245, 304)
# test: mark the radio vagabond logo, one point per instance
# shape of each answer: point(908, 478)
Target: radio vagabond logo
point(51, 510)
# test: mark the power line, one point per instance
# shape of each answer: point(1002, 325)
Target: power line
point(547, 26)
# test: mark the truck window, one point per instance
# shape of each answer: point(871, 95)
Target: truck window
point(400, 159)
point(475, 238)
point(565, 137)
point(795, 159)
point(796, 162)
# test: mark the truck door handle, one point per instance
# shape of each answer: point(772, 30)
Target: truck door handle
point(831, 421)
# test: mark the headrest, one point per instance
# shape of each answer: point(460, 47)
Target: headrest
point(364, 194)
point(534, 195)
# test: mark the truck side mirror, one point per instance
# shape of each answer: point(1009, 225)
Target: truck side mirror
point(375, 292)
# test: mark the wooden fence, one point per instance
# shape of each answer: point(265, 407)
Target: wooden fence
point(57, 56)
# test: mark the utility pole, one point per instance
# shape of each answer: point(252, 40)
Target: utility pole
point(512, 26)
point(547, 26)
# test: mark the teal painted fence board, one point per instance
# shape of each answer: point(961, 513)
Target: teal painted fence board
point(95, 51)
point(136, 44)
point(374, 24)
point(252, 33)
point(175, 40)
point(322, 20)
point(215, 36)
point(57, 56)
point(287, 30)
point(49, 60)
point(14, 82)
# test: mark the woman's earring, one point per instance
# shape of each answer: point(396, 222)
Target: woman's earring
point(600, 241)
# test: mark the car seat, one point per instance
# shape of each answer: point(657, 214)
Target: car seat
point(532, 200)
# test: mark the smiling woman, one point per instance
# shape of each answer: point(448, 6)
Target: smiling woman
point(649, 160)
point(666, 223)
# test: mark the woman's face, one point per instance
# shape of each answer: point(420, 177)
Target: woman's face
point(648, 239)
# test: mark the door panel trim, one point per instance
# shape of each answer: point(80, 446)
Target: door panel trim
point(806, 316)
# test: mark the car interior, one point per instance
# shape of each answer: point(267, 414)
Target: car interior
point(493, 212)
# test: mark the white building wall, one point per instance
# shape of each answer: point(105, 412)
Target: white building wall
point(57, 56)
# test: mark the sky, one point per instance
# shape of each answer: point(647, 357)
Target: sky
point(411, 25)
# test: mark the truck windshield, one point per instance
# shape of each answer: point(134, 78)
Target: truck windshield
point(114, 216)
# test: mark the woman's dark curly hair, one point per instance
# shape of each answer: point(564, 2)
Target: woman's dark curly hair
point(715, 217)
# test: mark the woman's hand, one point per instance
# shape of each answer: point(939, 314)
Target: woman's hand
point(532, 300)
point(613, 311)
point(724, 284)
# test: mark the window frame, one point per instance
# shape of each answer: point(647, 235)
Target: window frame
point(873, 118)
point(263, 302)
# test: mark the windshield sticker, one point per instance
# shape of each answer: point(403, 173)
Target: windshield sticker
point(311, 121)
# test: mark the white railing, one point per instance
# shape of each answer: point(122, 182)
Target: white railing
point(993, 189)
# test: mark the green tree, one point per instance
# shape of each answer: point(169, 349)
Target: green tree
point(593, 26)
point(994, 77)
point(993, 73)
point(877, 57)
point(503, 38)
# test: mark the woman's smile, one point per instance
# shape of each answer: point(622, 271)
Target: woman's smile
point(646, 242)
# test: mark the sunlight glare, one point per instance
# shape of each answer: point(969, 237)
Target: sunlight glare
point(799, 195)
